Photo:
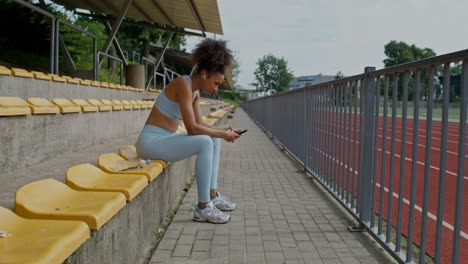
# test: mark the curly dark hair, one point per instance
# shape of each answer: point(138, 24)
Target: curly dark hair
point(212, 56)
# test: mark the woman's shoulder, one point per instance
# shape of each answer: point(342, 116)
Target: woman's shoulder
point(178, 86)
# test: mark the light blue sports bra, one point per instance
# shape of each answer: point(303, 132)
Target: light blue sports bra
point(168, 107)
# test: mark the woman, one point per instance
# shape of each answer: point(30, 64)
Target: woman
point(181, 100)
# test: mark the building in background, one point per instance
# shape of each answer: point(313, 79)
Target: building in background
point(303, 81)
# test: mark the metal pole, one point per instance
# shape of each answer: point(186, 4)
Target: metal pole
point(116, 26)
point(366, 174)
point(156, 66)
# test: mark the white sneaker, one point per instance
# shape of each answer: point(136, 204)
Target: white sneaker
point(223, 203)
point(210, 214)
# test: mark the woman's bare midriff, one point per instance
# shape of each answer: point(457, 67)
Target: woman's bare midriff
point(157, 118)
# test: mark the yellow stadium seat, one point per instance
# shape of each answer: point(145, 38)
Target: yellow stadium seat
point(13, 106)
point(154, 90)
point(119, 86)
point(21, 73)
point(210, 121)
point(102, 107)
point(120, 103)
point(51, 199)
point(127, 105)
point(41, 76)
point(66, 106)
point(114, 106)
point(85, 106)
point(4, 71)
point(86, 177)
point(128, 152)
point(71, 79)
point(105, 84)
point(135, 104)
point(39, 241)
point(112, 86)
point(218, 114)
point(85, 82)
point(96, 83)
point(142, 104)
point(107, 163)
point(57, 78)
point(42, 106)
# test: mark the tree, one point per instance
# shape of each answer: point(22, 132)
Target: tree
point(235, 69)
point(339, 75)
point(272, 74)
point(399, 52)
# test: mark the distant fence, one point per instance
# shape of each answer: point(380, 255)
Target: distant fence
point(376, 142)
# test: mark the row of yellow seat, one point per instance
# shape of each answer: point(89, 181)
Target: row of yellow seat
point(36, 232)
point(18, 72)
point(13, 106)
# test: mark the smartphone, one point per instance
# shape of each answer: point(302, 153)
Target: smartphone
point(242, 132)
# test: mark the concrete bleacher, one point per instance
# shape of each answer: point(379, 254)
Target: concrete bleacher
point(40, 149)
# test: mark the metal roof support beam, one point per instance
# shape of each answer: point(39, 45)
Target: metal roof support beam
point(117, 24)
point(116, 44)
point(158, 61)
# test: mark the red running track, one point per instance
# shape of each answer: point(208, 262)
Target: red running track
point(332, 136)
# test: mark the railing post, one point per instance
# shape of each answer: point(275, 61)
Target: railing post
point(365, 170)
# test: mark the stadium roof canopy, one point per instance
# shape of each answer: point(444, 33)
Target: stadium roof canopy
point(202, 15)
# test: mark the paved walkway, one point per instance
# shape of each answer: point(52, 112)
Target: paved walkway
point(282, 215)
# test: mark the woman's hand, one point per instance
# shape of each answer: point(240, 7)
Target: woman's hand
point(233, 130)
point(230, 135)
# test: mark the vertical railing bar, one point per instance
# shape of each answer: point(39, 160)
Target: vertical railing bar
point(308, 131)
point(324, 135)
point(442, 164)
point(348, 160)
point(384, 152)
point(311, 124)
point(402, 161)
point(427, 165)
point(330, 146)
point(339, 142)
point(334, 138)
point(343, 139)
point(321, 127)
point(316, 130)
point(362, 98)
point(376, 151)
point(416, 95)
point(355, 144)
point(305, 129)
point(392, 159)
point(461, 164)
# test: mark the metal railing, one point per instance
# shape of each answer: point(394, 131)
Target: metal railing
point(60, 21)
point(401, 173)
point(99, 54)
point(52, 30)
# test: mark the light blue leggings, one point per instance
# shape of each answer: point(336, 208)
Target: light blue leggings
point(158, 143)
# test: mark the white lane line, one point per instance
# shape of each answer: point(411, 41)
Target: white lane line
point(406, 201)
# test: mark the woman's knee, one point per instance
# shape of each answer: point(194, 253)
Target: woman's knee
point(204, 142)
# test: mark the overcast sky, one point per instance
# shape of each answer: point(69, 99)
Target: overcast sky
point(327, 36)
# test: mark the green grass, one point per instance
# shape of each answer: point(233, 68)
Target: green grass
point(229, 101)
